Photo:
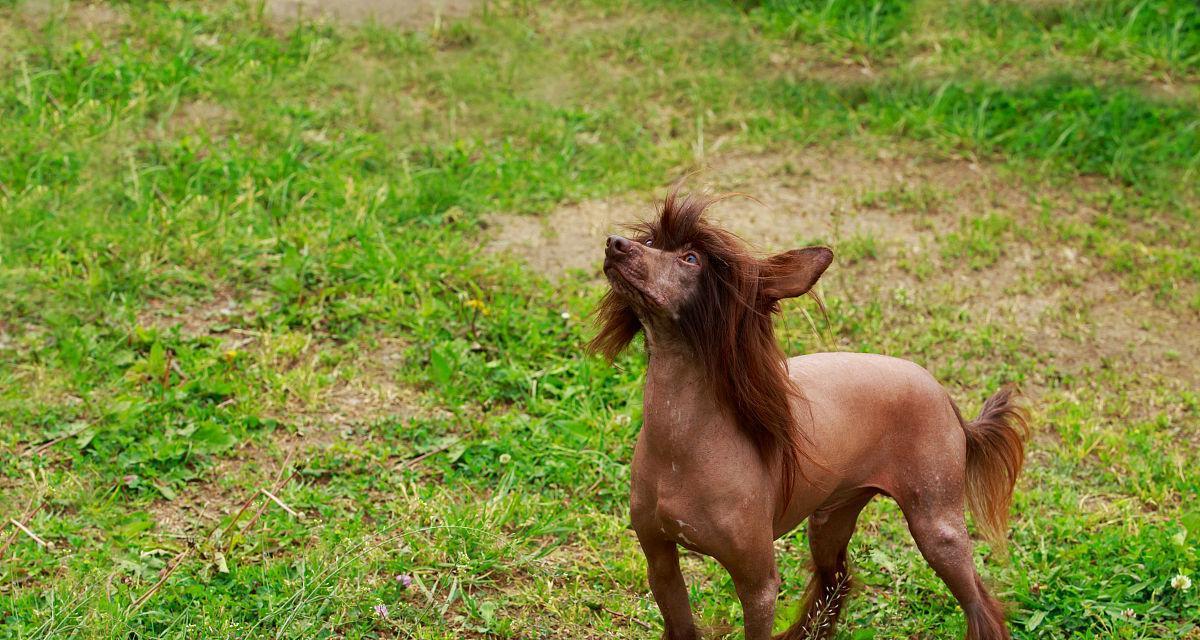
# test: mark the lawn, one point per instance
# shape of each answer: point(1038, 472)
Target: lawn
point(293, 310)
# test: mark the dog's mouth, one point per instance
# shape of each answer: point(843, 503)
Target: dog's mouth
point(627, 286)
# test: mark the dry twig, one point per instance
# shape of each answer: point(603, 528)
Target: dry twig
point(29, 533)
point(292, 512)
point(41, 448)
point(30, 512)
point(178, 560)
point(412, 462)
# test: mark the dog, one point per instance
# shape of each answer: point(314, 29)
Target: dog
point(740, 444)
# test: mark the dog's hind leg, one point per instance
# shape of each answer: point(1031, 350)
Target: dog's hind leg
point(828, 536)
point(941, 535)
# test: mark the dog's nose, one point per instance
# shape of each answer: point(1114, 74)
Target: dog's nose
point(617, 245)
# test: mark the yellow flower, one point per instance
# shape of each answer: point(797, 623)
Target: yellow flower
point(478, 305)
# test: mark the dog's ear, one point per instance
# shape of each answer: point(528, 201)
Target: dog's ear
point(793, 273)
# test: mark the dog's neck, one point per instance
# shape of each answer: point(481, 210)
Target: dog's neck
point(680, 412)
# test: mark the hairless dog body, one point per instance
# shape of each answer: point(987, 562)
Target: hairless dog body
point(741, 444)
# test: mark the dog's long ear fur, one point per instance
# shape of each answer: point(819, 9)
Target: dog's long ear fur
point(793, 273)
point(619, 325)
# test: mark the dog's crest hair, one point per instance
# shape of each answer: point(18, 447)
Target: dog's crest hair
point(730, 327)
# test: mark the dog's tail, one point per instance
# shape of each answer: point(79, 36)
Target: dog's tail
point(995, 455)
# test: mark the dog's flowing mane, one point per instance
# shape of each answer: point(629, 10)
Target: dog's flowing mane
point(728, 325)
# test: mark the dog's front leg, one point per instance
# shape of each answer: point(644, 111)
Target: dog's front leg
point(670, 592)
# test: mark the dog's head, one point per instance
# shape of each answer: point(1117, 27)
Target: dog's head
point(693, 279)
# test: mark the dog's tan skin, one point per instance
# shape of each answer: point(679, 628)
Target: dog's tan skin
point(872, 425)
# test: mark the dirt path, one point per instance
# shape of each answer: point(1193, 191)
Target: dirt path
point(390, 13)
point(883, 214)
point(806, 197)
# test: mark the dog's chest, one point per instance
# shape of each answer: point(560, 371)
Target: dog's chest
point(667, 503)
point(683, 491)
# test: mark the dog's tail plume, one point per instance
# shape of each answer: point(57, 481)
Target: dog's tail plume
point(995, 455)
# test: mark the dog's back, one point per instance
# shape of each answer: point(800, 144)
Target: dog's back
point(876, 420)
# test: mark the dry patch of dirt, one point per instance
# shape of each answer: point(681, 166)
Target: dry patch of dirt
point(87, 16)
point(198, 115)
point(801, 198)
point(194, 318)
point(25, 23)
point(332, 407)
point(367, 393)
point(199, 506)
point(1064, 304)
point(1097, 324)
point(390, 13)
point(338, 418)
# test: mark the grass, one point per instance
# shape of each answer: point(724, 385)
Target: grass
point(1137, 37)
point(239, 255)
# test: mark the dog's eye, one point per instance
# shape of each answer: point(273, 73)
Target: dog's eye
point(649, 242)
point(691, 259)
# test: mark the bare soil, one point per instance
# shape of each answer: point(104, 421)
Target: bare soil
point(1063, 303)
point(390, 13)
point(340, 417)
point(340, 414)
point(199, 115)
point(811, 196)
point(91, 16)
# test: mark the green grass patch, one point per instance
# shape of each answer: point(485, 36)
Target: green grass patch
point(211, 225)
point(1138, 36)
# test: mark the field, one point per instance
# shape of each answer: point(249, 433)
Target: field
point(292, 309)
